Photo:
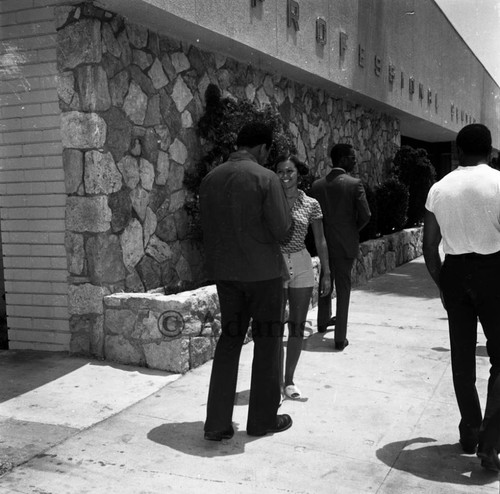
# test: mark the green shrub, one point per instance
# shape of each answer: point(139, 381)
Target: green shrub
point(392, 199)
point(219, 127)
point(413, 168)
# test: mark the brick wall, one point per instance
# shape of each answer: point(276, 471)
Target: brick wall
point(32, 190)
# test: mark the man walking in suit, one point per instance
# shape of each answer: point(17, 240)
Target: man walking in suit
point(244, 215)
point(345, 213)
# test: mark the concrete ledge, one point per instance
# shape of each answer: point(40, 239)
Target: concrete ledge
point(178, 332)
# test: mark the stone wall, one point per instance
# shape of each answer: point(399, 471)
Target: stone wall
point(130, 99)
point(178, 332)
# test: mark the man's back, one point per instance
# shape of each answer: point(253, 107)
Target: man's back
point(244, 216)
point(466, 203)
point(345, 210)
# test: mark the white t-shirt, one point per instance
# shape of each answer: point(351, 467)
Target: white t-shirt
point(466, 203)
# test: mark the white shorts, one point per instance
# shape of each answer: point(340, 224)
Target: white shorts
point(300, 270)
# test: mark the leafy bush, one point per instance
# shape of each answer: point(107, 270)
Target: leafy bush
point(219, 126)
point(413, 168)
point(392, 199)
point(371, 230)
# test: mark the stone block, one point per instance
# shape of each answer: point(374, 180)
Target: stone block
point(93, 88)
point(201, 350)
point(135, 104)
point(158, 250)
point(86, 299)
point(157, 75)
point(110, 43)
point(121, 210)
point(79, 43)
point(119, 322)
point(146, 173)
point(73, 170)
point(75, 252)
point(82, 130)
point(129, 168)
point(88, 214)
point(105, 259)
point(181, 94)
point(101, 174)
point(119, 349)
point(132, 244)
point(171, 356)
point(150, 272)
point(140, 201)
point(137, 35)
point(119, 132)
point(178, 152)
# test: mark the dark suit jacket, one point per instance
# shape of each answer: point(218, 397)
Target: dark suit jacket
point(244, 214)
point(345, 211)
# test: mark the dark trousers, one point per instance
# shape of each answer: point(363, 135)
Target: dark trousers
point(471, 291)
point(340, 268)
point(260, 301)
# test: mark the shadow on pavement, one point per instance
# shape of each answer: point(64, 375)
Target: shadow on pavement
point(187, 437)
point(408, 280)
point(25, 370)
point(437, 463)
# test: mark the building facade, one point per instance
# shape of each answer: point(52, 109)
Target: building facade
point(99, 103)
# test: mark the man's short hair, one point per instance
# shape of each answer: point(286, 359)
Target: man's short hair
point(474, 139)
point(339, 151)
point(254, 134)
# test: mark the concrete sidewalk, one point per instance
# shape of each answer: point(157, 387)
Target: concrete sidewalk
point(379, 417)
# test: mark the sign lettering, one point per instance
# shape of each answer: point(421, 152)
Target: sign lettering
point(293, 14)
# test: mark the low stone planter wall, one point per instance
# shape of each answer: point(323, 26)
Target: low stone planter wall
point(178, 332)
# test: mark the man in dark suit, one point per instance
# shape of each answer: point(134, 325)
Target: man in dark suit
point(345, 213)
point(244, 215)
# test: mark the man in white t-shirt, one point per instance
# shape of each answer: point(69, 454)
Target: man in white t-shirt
point(463, 210)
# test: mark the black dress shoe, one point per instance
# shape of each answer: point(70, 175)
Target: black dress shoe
point(469, 438)
point(323, 327)
point(340, 345)
point(219, 435)
point(283, 422)
point(469, 446)
point(489, 459)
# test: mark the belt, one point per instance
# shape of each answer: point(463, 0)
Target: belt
point(474, 255)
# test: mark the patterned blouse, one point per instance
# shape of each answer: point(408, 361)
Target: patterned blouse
point(305, 210)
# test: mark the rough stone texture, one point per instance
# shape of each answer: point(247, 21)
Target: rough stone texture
point(129, 168)
point(119, 132)
point(86, 299)
point(82, 130)
point(73, 170)
point(79, 43)
point(171, 356)
point(135, 104)
point(198, 310)
point(87, 214)
point(136, 319)
point(93, 88)
point(105, 259)
point(132, 244)
point(101, 175)
point(130, 102)
point(76, 252)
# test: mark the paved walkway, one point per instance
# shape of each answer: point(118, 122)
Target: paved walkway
point(379, 417)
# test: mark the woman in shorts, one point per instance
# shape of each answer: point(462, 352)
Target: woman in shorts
point(298, 288)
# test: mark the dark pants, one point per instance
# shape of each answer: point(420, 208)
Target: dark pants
point(260, 301)
point(471, 291)
point(340, 268)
